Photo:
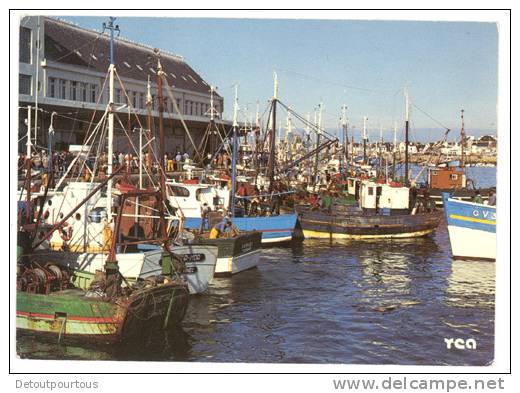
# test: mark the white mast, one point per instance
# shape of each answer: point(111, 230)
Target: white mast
point(36, 91)
point(211, 106)
point(395, 136)
point(29, 126)
point(365, 139)
point(319, 118)
point(257, 118)
point(111, 70)
point(110, 139)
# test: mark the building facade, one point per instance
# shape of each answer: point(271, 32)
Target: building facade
point(63, 68)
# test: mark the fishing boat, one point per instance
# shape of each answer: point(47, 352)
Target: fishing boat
point(451, 177)
point(472, 229)
point(235, 254)
point(190, 198)
point(72, 313)
point(81, 242)
point(382, 212)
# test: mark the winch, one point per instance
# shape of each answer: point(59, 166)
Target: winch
point(43, 279)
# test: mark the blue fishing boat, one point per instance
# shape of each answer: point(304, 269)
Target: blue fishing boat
point(274, 229)
point(472, 229)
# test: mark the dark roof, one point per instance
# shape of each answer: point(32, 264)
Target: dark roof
point(70, 44)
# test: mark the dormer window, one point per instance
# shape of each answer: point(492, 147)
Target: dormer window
point(183, 77)
point(138, 66)
point(151, 70)
point(126, 64)
point(193, 79)
point(78, 53)
point(173, 75)
point(93, 56)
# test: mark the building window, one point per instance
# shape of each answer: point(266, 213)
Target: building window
point(25, 45)
point(153, 102)
point(52, 88)
point(83, 92)
point(196, 109)
point(62, 86)
point(73, 91)
point(141, 100)
point(93, 93)
point(25, 83)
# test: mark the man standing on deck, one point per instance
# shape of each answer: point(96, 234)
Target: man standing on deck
point(220, 228)
point(477, 198)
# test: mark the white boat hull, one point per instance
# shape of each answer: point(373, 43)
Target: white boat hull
point(467, 243)
point(237, 264)
point(139, 265)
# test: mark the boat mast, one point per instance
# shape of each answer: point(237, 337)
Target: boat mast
point(273, 134)
point(50, 142)
point(380, 150)
point(345, 133)
point(36, 90)
point(365, 119)
point(462, 141)
point(111, 68)
point(318, 137)
point(234, 156)
point(395, 150)
point(160, 99)
point(29, 125)
point(406, 141)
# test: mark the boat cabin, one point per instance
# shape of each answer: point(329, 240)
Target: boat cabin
point(448, 177)
point(189, 198)
point(383, 198)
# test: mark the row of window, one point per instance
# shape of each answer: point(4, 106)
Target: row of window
point(71, 90)
point(87, 92)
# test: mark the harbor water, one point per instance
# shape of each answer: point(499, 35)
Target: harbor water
point(351, 302)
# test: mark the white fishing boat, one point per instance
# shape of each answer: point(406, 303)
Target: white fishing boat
point(472, 229)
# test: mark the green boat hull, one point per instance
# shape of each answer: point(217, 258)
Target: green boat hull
point(70, 315)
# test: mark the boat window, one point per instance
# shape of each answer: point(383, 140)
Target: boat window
point(180, 191)
point(454, 176)
point(197, 194)
point(78, 216)
point(370, 190)
point(49, 202)
point(434, 173)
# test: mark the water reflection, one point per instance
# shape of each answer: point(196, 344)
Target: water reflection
point(471, 284)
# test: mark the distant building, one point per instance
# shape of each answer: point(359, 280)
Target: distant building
point(487, 141)
point(65, 70)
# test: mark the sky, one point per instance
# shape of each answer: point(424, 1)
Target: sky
point(365, 65)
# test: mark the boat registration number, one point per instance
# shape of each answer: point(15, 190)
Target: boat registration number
point(199, 257)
